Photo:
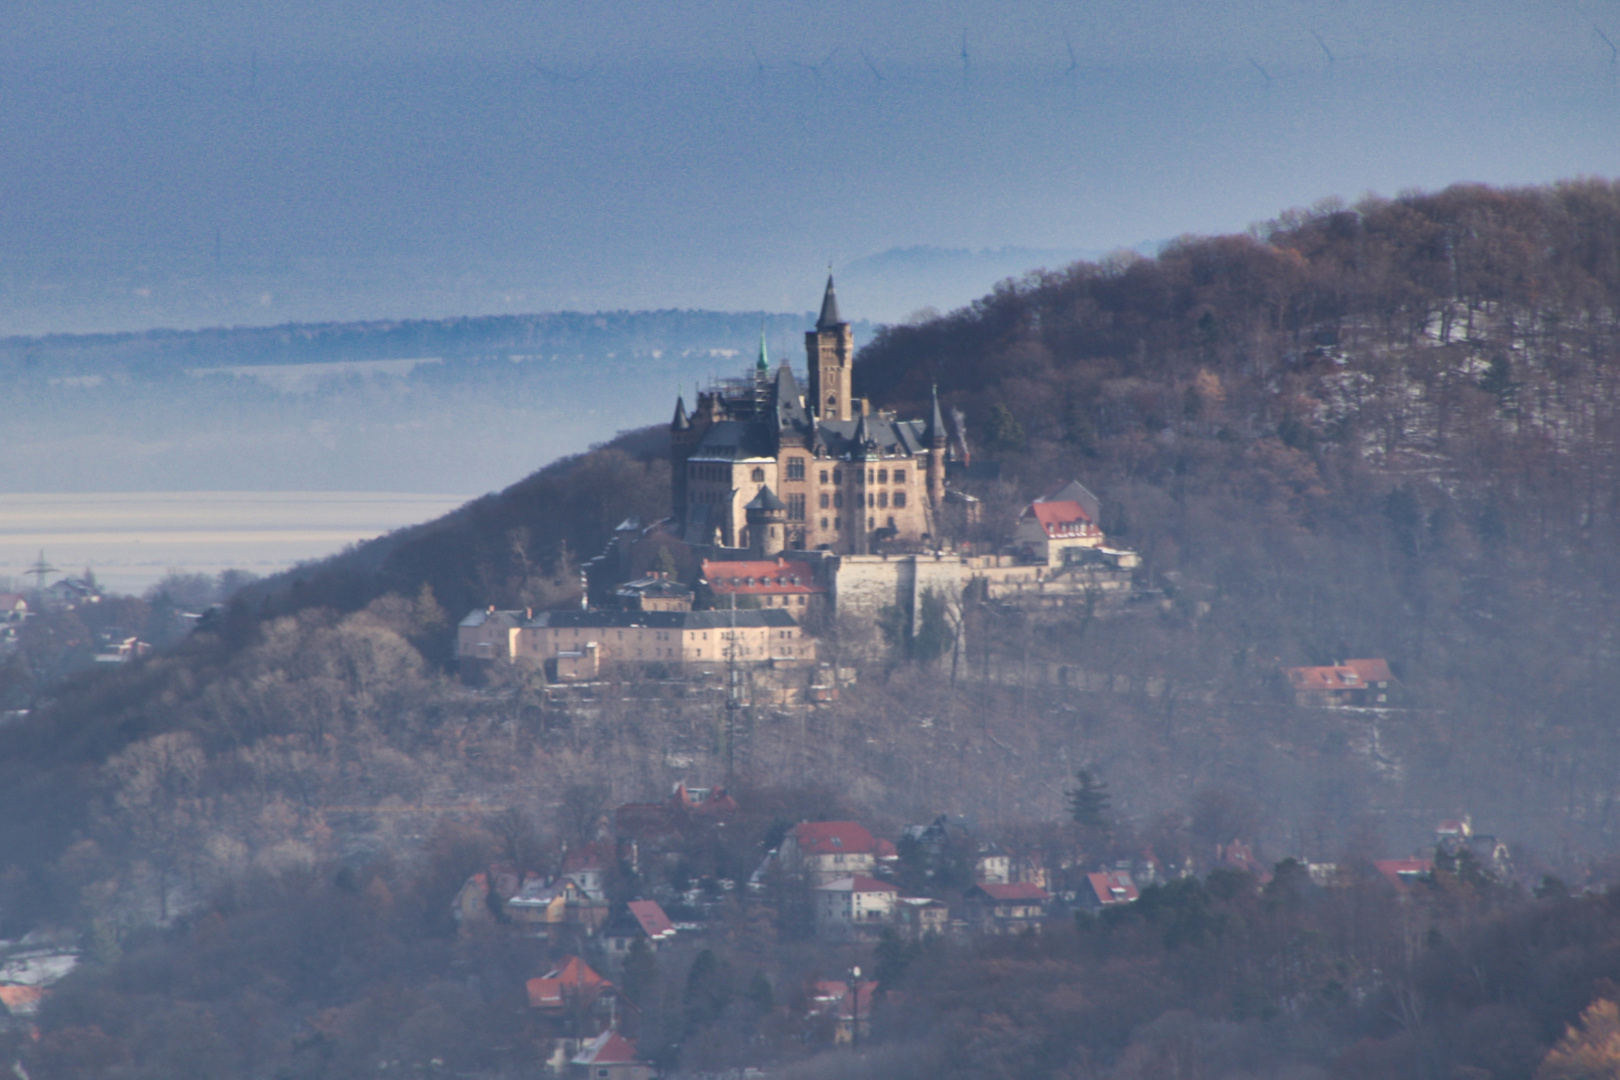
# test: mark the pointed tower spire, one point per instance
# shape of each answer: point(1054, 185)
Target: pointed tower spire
point(829, 307)
point(763, 364)
point(680, 422)
point(936, 422)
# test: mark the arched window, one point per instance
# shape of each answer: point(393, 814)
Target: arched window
point(759, 476)
point(832, 403)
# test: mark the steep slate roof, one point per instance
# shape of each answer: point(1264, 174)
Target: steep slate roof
point(735, 440)
point(765, 500)
point(829, 308)
point(832, 837)
point(663, 620)
point(500, 618)
point(790, 412)
point(857, 883)
point(680, 422)
point(608, 1048)
point(844, 438)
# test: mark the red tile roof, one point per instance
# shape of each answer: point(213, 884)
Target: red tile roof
point(1402, 872)
point(654, 923)
point(1324, 678)
point(761, 577)
point(608, 1048)
point(574, 977)
point(831, 994)
point(1371, 670)
point(1018, 890)
point(833, 838)
point(858, 883)
point(21, 999)
point(1113, 887)
point(1061, 519)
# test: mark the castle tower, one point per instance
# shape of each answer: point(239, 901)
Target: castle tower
point(830, 348)
point(680, 447)
point(767, 521)
point(936, 456)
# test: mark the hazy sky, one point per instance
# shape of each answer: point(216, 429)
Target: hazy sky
point(184, 163)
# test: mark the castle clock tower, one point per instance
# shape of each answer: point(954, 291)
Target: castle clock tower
point(830, 348)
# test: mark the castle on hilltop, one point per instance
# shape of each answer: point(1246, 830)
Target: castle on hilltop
point(760, 464)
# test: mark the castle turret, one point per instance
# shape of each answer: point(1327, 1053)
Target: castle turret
point(936, 456)
point(767, 520)
point(830, 348)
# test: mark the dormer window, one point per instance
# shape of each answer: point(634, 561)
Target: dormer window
point(758, 475)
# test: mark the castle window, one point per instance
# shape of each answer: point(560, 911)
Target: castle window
point(795, 507)
point(823, 476)
point(758, 476)
point(838, 498)
point(871, 500)
point(899, 499)
point(832, 403)
point(825, 500)
point(883, 499)
point(824, 520)
point(871, 476)
point(838, 476)
point(871, 523)
point(899, 476)
point(891, 522)
point(795, 468)
point(883, 476)
point(838, 523)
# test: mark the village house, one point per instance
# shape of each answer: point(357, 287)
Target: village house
point(1007, 909)
point(824, 851)
point(1108, 888)
point(917, 917)
point(1364, 682)
point(609, 1056)
point(13, 607)
point(848, 1006)
point(1404, 873)
point(856, 906)
point(575, 994)
point(643, 920)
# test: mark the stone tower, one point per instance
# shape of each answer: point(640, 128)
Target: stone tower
point(830, 348)
point(767, 520)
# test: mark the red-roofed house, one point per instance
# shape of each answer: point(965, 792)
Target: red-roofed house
point(779, 582)
point(643, 920)
point(609, 1056)
point(1004, 909)
point(830, 997)
point(20, 1000)
point(1048, 530)
point(825, 851)
point(563, 987)
point(1349, 682)
point(854, 905)
point(1109, 888)
point(1403, 873)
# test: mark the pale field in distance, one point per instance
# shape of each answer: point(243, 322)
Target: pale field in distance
point(132, 539)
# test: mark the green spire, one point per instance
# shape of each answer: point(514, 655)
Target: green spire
point(763, 364)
